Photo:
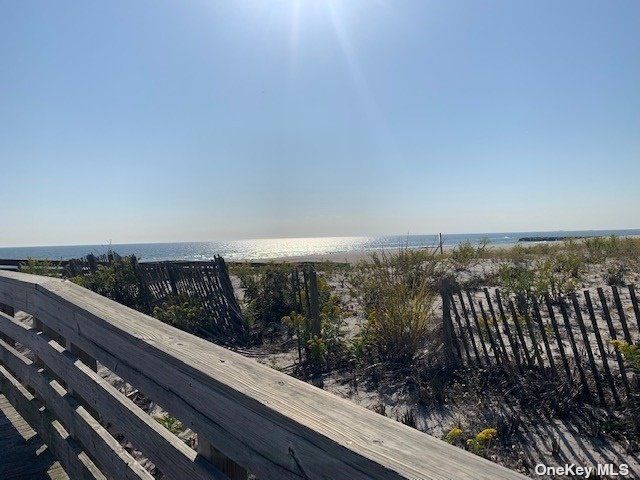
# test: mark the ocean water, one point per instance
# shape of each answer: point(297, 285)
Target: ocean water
point(282, 247)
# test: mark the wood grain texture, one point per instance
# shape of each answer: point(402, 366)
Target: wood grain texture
point(166, 450)
point(24, 455)
point(272, 424)
point(113, 460)
point(63, 447)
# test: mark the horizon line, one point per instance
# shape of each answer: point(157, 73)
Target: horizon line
point(311, 237)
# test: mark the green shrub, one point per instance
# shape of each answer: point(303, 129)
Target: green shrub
point(120, 282)
point(183, 312)
point(317, 352)
point(615, 274)
point(362, 348)
point(481, 441)
point(171, 423)
point(397, 292)
point(40, 267)
point(269, 293)
point(326, 349)
point(465, 254)
point(555, 275)
point(454, 435)
point(596, 249)
point(631, 353)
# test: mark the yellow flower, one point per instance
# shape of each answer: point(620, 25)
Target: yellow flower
point(453, 434)
point(486, 435)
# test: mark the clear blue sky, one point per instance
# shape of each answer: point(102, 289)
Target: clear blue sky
point(202, 120)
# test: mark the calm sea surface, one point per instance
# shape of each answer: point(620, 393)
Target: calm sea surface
point(280, 247)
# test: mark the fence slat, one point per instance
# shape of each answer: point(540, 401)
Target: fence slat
point(461, 332)
point(477, 324)
point(543, 333)
point(7, 310)
point(556, 331)
point(532, 336)
point(612, 332)
point(603, 351)
point(496, 352)
point(574, 347)
point(621, 314)
point(472, 338)
point(516, 323)
point(587, 346)
point(636, 309)
point(503, 347)
point(512, 342)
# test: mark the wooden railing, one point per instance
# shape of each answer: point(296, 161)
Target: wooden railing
point(248, 417)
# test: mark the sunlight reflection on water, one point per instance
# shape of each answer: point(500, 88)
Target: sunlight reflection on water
point(279, 247)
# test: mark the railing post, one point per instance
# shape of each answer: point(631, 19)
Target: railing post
point(222, 463)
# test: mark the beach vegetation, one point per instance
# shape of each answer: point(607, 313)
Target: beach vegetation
point(615, 274)
point(397, 292)
point(630, 352)
point(119, 281)
point(454, 435)
point(40, 267)
point(171, 423)
point(465, 254)
point(555, 275)
point(273, 297)
point(362, 346)
point(326, 349)
point(594, 250)
point(269, 293)
point(317, 348)
point(481, 440)
point(183, 312)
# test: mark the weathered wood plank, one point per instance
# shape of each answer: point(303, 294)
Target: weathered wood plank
point(167, 451)
point(114, 461)
point(63, 447)
point(274, 425)
point(24, 454)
